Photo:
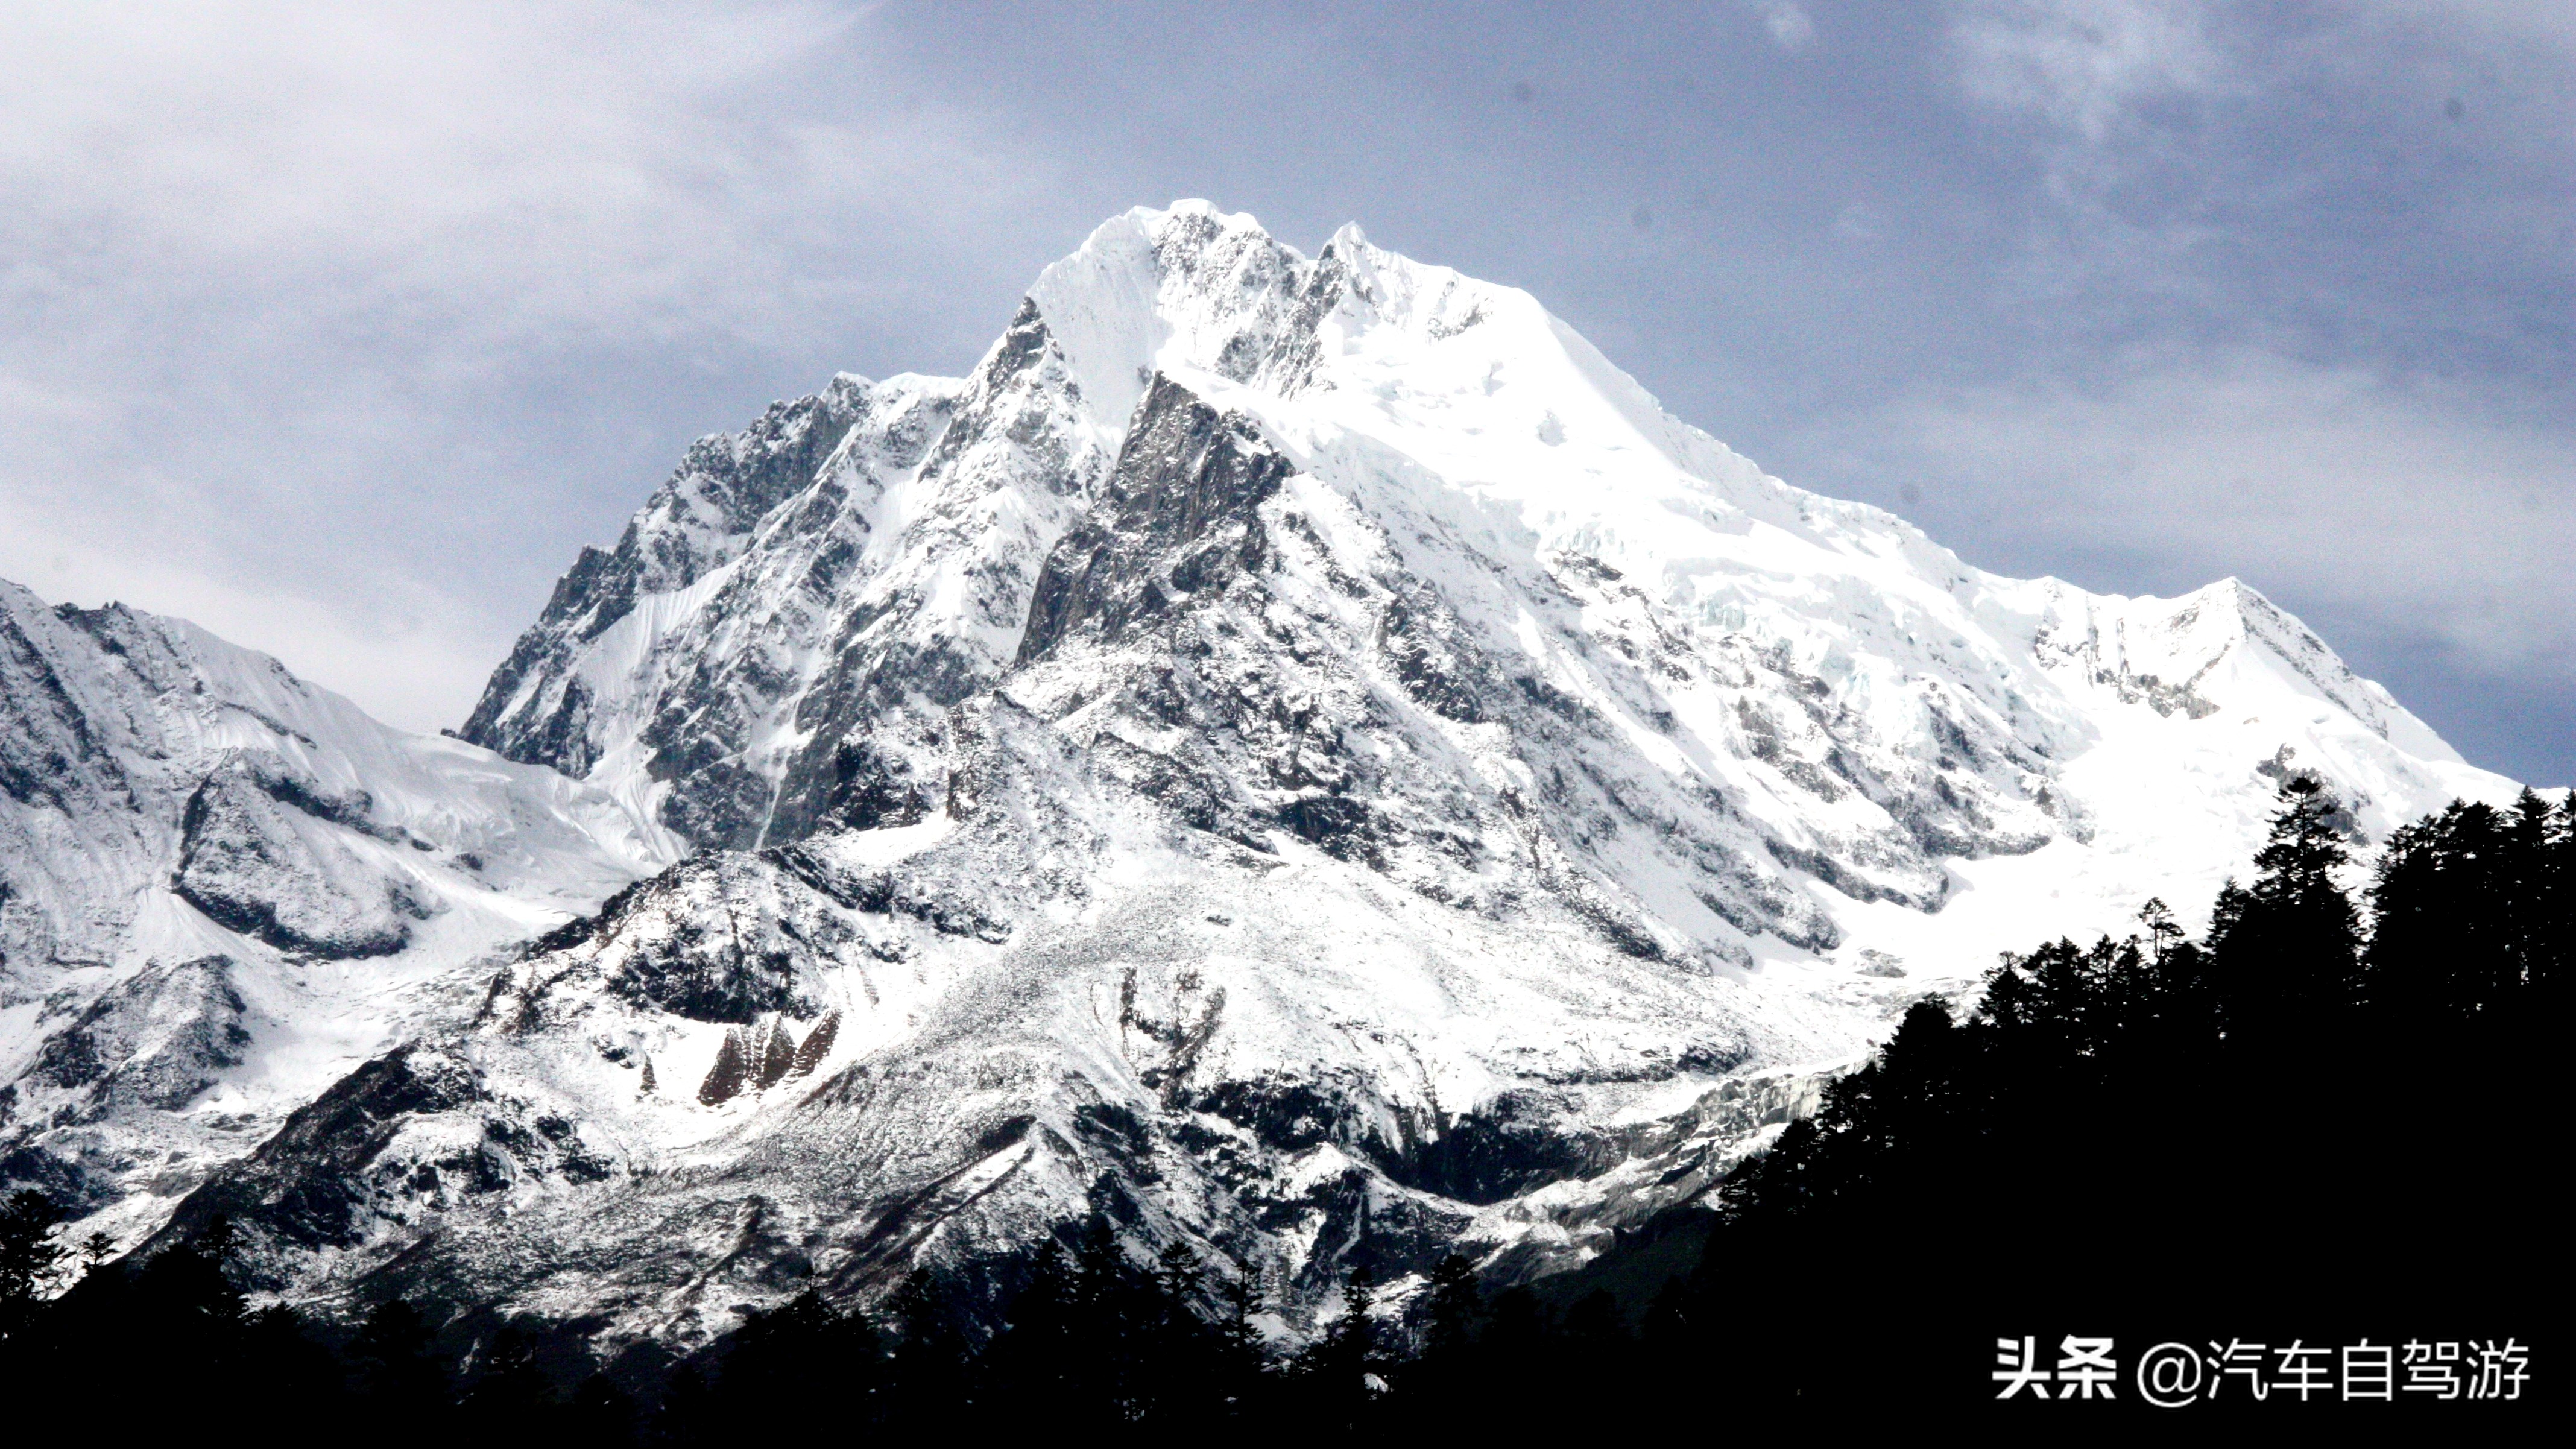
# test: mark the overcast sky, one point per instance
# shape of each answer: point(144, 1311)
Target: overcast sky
point(339, 328)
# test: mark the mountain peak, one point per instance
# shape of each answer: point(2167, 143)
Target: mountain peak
point(1324, 703)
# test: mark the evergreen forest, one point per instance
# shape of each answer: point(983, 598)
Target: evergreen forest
point(2326, 1120)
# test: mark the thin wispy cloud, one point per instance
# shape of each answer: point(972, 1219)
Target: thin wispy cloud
point(341, 327)
point(294, 292)
point(2405, 509)
point(2305, 315)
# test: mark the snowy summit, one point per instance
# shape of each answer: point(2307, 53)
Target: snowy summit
point(1290, 751)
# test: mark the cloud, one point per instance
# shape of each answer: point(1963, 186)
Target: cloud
point(319, 301)
point(1788, 25)
point(405, 658)
point(2084, 65)
point(2420, 513)
point(339, 327)
point(471, 173)
point(2373, 186)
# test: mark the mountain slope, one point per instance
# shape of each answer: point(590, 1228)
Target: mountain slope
point(220, 888)
point(1297, 754)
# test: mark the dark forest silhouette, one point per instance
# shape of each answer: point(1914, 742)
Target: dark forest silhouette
point(2328, 1117)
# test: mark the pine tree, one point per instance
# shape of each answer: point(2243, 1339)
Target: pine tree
point(281, 1357)
point(2558, 916)
point(1243, 1359)
point(1455, 1307)
point(599, 1413)
point(29, 1256)
point(2287, 948)
point(687, 1416)
point(1030, 1361)
point(779, 1360)
point(1340, 1369)
point(399, 1378)
point(1183, 1379)
point(2528, 898)
point(509, 1396)
point(199, 1325)
point(1595, 1337)
point(929, 1363)
point(1112, 1306)
point(2163, 931)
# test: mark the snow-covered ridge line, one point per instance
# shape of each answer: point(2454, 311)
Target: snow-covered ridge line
point(1365, 368)
point(221, 887)
point(1299, 754)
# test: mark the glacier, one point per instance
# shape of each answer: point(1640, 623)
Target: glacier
point(1298, 755)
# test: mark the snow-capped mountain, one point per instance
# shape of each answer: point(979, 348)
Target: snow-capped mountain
point(222, 888)
point(1300, 755)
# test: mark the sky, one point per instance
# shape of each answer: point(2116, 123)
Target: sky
point(340, 328)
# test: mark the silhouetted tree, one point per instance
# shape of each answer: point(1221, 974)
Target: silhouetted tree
point(2287, 948)
point(29, 1256)
point(1339, 1371)
point(400, 1380)
point(2269, 1118)
point(508, 1398)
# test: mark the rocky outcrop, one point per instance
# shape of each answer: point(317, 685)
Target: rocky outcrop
point(217, 883)
point(1297, 757)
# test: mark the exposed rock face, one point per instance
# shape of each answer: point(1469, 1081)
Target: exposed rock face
point(187, 832)
point(1300, 756)
point(258, 854)
point(398, 1141)
point(755, 673)
point(154, 1040)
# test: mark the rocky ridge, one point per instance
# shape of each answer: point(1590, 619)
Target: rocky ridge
point(221, 889)
point(1298, 755)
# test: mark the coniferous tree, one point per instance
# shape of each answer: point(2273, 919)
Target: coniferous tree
point(785, 1362)
point(929, 1361)
point(509, 1397)
point(2557, 912)
point(600, 1413)
point(400, 1380)
point(1455, 1307)
point(2287, 948)
point(1182, 1383)
point(1031, 1361)
point(1595, 1338)
point(282, 1357)
point(2094, 1130)
point(687, 1416)
point(1514, 1351)
point(1340, 1369)
point(2163, 931)
point(1243, 1360)
point(29, 1256)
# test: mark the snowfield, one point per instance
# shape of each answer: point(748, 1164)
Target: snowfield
point(1298, 754)
point(221, 889)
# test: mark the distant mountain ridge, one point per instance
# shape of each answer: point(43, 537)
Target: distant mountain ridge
point(1299, 755)
point(217, 883)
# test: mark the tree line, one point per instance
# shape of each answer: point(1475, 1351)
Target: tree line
point(2328, 1115)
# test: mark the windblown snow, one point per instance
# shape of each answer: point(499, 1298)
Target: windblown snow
point(1300, 755)
point(221, 889)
